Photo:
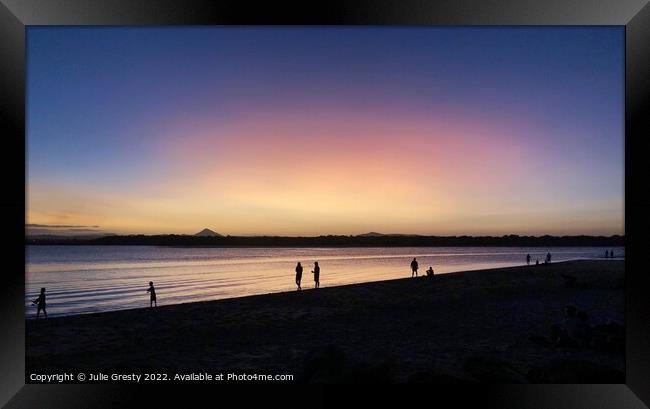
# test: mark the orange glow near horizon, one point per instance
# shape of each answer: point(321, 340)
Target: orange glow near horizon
point(343, 176)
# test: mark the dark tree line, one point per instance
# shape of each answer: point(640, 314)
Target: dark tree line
point(340, 241)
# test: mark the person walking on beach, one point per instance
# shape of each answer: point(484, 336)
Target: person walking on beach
point(414, 268)
point(611, 254)
point(548, 257)
point(527, 259)
point(152, 299)
point(298, 275)
point(606, 253)
point(316, 273)
point(40, 303)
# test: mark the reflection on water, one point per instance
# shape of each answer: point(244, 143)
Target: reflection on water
point(84, 279)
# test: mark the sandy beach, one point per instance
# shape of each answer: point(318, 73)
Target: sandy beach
point(475, 326)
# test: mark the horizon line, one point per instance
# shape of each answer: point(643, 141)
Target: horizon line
point(369, 234)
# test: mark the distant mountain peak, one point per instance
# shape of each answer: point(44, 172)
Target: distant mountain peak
point(208, 233)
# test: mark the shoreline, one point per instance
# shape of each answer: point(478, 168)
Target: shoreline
point(326, 246)
point(309, 288)
point(471, 326)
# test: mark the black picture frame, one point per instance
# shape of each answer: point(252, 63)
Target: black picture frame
point(16, 15)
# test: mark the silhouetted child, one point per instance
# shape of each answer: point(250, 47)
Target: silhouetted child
point(537, 262)
point(40, 303)
point(298, 275)
point(527, 259)
point(152, 299)
point(316, 273)
point(414, 268)
point(430, 272)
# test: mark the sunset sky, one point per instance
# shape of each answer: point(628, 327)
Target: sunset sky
point(308, 131)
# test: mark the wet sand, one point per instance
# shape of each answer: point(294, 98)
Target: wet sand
point(474, 326)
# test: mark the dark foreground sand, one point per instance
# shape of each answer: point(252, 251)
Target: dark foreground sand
point(477, 326)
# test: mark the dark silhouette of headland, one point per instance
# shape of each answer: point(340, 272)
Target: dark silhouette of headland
point(209, 238)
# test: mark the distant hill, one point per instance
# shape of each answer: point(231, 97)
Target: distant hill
point(375, 234)
point(208, 233)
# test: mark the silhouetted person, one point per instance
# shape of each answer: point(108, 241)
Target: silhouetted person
point(298, 275)
point(152, 299)
point(548, 257)
point(611, 254)
point(430, 272)
point(40, 303)
point(316, 273)
point(414, 268)
point(606, 253)
point(536, 261)
point(528, 259)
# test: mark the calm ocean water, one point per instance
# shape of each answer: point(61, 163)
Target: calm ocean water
point(86, 279)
